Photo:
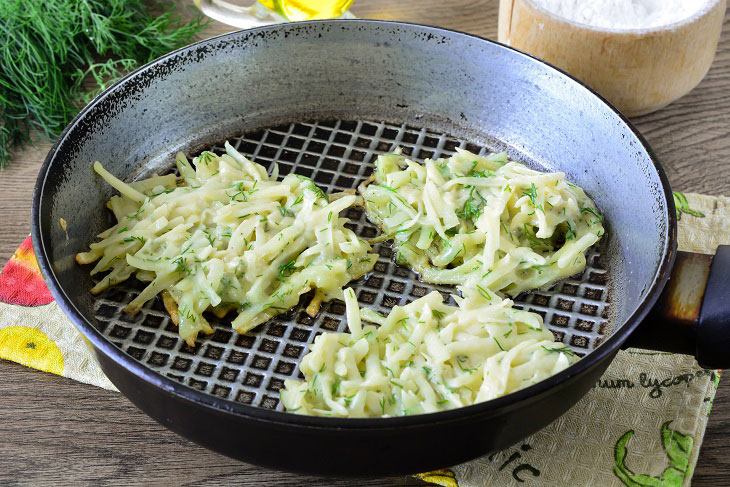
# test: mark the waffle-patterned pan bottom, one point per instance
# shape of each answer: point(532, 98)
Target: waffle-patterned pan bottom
point(337, 155)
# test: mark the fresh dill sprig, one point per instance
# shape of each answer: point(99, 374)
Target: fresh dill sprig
point(592, 212)
point(534, 242)
point(51, 49)
point(286, 270)
point(473, 205)
point(438, 314)
point(532, 194)
point(318, 193)
point(564, 349)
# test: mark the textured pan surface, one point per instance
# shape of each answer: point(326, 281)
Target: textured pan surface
point(251, 368)
point(412, 76)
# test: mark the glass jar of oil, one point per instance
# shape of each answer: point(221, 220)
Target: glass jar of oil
point(265, 12)
point(308, 9)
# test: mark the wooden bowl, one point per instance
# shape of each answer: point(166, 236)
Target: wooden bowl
point(638, 70)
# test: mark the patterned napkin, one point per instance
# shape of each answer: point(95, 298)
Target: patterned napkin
point(641, 426)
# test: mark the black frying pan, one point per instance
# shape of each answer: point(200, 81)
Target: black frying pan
point(324, 98)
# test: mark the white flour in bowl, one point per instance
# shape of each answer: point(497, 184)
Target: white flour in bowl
point(623, 14)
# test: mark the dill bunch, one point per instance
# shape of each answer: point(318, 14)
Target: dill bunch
point(49, 47)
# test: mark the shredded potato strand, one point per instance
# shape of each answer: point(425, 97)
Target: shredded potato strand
point(485, 220)
point(425, 357)
point(226, 236)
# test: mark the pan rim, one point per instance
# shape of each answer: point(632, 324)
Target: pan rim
point(226, 406)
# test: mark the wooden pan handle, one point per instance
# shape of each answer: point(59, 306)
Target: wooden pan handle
point(692, 315)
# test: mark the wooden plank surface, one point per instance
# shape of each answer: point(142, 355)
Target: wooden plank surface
point(54, 430)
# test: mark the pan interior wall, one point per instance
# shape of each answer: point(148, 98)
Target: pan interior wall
point(337, 155)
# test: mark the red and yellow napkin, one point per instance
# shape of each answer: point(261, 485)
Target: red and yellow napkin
point(33, 329)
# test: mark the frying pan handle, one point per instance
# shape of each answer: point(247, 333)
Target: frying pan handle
point(692, 316)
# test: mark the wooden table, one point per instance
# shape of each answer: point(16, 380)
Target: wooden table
point(56, 430)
